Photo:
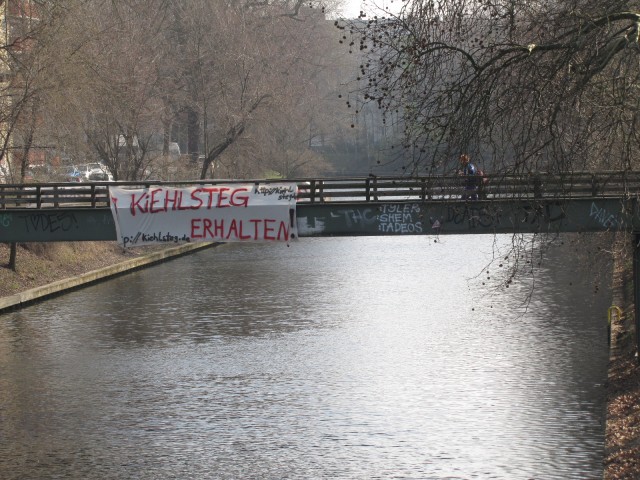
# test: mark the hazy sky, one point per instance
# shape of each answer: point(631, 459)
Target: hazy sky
point(352, 7)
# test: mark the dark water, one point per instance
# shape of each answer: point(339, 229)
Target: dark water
point(351, 358)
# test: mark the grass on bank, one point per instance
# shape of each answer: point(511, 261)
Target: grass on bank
point(38, 264)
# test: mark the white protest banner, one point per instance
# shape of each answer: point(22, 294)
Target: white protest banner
point(252, 212)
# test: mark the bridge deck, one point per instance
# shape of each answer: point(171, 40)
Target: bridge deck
point(368, 189)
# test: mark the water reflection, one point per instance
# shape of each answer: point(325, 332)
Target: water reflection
point(333, 358)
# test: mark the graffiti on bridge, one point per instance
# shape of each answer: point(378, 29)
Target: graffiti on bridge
point(415, 218)
point(387, 218)
point(49, 222)
point(605, 218)
point(488, 216)
point(5, 220)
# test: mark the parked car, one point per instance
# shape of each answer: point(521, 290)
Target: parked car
point(88, 168)
point(69, 173)
point(96, 172)
point(100, 176)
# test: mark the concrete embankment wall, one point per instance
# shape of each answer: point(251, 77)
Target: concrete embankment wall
point(27, 297)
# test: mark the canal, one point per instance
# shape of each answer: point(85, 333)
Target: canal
point(354, 358)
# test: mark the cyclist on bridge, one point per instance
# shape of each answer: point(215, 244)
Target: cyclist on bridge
point(468, 169)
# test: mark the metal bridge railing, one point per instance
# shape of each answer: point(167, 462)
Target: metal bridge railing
point(365, 189)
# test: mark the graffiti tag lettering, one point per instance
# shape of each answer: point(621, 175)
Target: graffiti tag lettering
point(476, 217)
point(353, 217)
point(5, 220)
point(400, 218)
point(602, 216)
point(50, 222)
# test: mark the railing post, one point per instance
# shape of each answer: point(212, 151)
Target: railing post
point(537, 186)
point(594, 186)
point(312, 191)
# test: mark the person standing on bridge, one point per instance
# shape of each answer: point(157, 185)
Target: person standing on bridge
point(468, 169)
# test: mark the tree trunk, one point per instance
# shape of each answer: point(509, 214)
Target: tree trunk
point(12, 256)
point(193, 134)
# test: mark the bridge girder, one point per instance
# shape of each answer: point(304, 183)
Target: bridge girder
point(364, 218)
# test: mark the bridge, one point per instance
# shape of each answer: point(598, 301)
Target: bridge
point(430, 205)
point(423, 205)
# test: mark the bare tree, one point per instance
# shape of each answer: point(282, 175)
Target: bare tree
point(25, 77)
point(112, 81)
point(247, 66)
point(525, 85)
point(140, 72)
point(24, 70)
point(128, 76)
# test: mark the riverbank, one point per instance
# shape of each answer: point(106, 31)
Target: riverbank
point(622, 437)
point(48, 269)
